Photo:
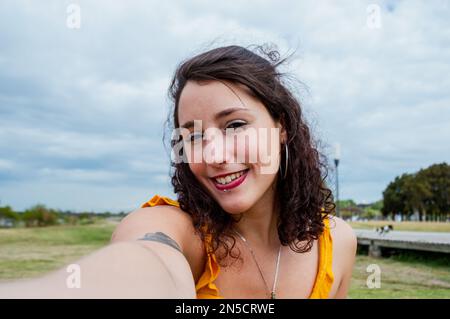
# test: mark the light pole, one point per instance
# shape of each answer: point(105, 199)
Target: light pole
point(337, 155)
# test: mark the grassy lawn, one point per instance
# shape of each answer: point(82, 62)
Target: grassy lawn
point(29, 252)
point(408, 226)
point(403, 277)
point(26, 253)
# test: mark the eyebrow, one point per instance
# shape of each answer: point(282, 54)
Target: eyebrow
point(219, 115)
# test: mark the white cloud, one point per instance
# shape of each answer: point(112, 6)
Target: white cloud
point(6, 165)
point(85, 108)
point(80, 175)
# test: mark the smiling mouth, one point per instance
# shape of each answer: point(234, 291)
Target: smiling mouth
point(230, 181)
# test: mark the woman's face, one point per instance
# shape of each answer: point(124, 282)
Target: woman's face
point(233, 133)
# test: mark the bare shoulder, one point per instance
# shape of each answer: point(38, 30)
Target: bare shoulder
point(344, 239)
point(173, 226)
point(342, 232)
point(165, 218)
point(344, 254)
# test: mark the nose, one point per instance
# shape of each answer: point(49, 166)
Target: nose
point(217, 150)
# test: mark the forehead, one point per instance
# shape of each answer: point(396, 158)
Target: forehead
point(201, 100)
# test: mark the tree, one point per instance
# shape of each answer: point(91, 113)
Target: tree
point(393, 201)
point(7, 213)
point(39, 215)
point(426, 192)
point(437, 177)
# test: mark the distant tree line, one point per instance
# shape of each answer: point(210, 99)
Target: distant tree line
point(424, 195)
point(348, 209)
point(39, 215)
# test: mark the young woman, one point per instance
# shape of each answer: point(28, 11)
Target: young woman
point(253, 217)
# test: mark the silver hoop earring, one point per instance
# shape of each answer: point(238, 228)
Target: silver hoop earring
point(286, 162)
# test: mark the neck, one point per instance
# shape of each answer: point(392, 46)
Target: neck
point(259, 224)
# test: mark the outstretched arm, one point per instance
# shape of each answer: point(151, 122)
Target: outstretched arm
point(144, 260)
point(119, 270)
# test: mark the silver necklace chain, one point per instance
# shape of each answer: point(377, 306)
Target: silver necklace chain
point(272, 293)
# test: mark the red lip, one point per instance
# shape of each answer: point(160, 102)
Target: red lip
point(233, 184)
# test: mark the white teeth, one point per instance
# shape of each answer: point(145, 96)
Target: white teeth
point(227, 179)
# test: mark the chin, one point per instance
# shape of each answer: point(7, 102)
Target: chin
point(235, 209)
point(235, 205)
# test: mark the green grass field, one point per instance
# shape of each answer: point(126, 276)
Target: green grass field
point(26, 253)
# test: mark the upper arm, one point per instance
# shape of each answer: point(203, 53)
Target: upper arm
point(146, 226)
point(344, 255)
point(165, 219)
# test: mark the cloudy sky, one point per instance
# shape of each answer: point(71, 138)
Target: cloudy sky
point(82, 102)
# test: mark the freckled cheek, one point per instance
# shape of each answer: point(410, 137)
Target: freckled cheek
point(197, 169)
point(249, 151)
point(193, 152)
point(260, 152)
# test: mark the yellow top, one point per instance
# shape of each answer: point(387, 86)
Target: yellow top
point(207, 289)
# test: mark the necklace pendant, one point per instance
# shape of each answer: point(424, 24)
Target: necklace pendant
point(272, 295)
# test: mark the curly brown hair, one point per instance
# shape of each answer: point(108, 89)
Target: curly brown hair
point(303, 197)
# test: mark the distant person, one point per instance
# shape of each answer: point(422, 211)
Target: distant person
point(238, 229)
point(384, 229)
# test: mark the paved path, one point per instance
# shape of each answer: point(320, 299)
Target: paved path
point(429, 241)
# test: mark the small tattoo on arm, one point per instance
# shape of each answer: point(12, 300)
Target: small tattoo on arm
point(161, 238)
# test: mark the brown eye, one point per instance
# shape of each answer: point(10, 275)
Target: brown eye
point(194, 137)
point(236, 124)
